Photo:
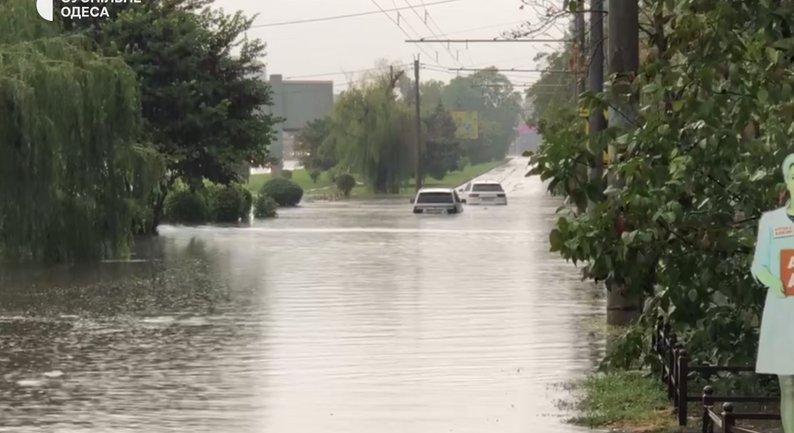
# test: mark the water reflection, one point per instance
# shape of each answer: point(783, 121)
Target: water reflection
point(344, 317)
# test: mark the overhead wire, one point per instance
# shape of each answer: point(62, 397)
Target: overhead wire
point(424, 21)
point(433, 21)
point(427, 21)
point(337, 17)
point(330, 74)
point(399, 27)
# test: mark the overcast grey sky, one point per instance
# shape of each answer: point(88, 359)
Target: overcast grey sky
point(327, 47)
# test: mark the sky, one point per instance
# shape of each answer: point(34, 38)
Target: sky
point(329, 50)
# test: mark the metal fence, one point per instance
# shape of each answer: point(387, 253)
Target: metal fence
point(676, 371)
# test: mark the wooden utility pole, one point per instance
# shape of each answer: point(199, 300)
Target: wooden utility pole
point(595, 84)
point(419, 175)
point(624, 55)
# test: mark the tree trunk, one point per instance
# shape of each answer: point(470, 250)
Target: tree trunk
point(158, 206)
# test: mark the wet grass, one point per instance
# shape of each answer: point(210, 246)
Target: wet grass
point(324, 187)
point(627, 401)
point(301, 177)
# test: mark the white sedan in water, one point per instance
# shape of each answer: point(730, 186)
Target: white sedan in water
point(484, 193)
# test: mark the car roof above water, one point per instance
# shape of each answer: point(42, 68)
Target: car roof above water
point(435, 190)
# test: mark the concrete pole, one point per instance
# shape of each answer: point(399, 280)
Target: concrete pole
point(419, 174)
point(581, 41)
point(595, 83)
point(624, 52)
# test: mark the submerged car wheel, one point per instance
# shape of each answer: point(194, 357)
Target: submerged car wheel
point(418, 211)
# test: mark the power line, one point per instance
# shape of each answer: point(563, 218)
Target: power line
point(471, 29)
point(330, 74)
point(497, 86)
point(433, 20)
point(555, 71)
point(424, 20)
point(338, 17)
point(398, 26)
point(470, 41)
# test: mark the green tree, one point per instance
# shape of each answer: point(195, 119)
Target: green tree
point(431, 92)
point(442, 150)
point(202, 95)
point(554, 90)
point(678, 225)
point(69, 120)
point(316, 146)
point(371, 128)
point(490, 94)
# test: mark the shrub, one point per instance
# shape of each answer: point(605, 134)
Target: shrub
point(284, 191)
point(286, 174)
point(247, 202)
point(186, 206)
point(315, 175)
point(229, 203)
point(345, 183)
point(265, 206)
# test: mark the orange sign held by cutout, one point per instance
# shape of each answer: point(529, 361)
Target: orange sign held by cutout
point(787, 271)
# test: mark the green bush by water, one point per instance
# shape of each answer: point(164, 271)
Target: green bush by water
point(213, 203)
point(284, 191)
point(186, 206)
point(230, 203)
point(265, 207)
point(345, 183)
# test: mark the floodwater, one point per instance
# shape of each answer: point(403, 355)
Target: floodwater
point(353, 317)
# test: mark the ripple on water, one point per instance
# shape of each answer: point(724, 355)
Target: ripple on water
point(334, 318)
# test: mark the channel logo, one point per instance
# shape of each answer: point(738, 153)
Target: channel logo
point(44, 7)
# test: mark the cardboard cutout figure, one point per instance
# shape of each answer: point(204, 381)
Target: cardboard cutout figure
point(773, 266)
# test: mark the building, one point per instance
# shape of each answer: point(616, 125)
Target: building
point(296, 103)
point(527, 139)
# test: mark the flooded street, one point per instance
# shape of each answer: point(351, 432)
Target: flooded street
point(349, 317)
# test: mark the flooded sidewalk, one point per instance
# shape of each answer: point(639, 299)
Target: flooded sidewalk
point(351, 317)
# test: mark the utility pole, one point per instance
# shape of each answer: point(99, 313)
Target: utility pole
point(624, 53)
point(595, 84)
point(579, 43)
point(419, 175)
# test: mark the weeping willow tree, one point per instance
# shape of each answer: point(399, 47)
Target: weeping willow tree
point(374, 135)
point(68, 119)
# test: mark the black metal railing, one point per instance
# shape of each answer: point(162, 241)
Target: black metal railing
point(726, 419)
point(676, 371)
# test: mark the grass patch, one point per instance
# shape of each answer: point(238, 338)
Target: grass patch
point(625, 400)
point(301, 177)
point(459, 177)
point(324, 188)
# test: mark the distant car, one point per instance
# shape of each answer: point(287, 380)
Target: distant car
point(484, 192)
point(437, 201)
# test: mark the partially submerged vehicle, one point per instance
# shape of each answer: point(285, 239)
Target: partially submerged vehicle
point(484, 193)
point(437, 201)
